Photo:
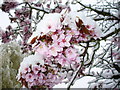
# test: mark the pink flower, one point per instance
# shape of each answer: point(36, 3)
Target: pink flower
point(54, 49)
point(7, 6)
point(40, 75)
point(41, 78)
point(49, 75)
point(71, 54)
point(56, 42)
point(62, 60)
point(26, 69)
point(26, 29)
point(41, 48)
point(48, 60)
point(29, 77)
point(18, 13)
point(36, 69)
point(43, 69)
point(34, 83)
point(55, 38)
point(64, 40)
point(23, 75)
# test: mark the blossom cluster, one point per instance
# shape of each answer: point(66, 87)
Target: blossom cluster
point(8, 5)
point(8, 35)
point(25, 24)
point(54, 41)
point(35, 73)
point(22, 18)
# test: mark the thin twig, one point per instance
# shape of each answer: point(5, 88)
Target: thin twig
point(79, 68)
point(37, 8)
point(74, 76)
point(97, 11)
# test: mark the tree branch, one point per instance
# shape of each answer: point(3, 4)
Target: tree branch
point(79, 68)
point(99, 12)
point(105, 19)
point(74, 76)
point(103, 38)
point(110, 34)
point(37, 8)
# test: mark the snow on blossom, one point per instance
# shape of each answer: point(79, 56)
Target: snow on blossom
point(30, 60)
point(35, 73)
point(73, 16)
point(50, 22)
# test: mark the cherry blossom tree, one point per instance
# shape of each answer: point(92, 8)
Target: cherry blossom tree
point(64, 45)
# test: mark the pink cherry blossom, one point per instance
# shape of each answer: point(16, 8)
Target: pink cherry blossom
point(26, 69)
point(23, 75)
point(56, 42)
point(41, 48)
point(62, 60)
point(40, 75)
point(7, 6)
point(50, 75)
point(42, 69)
point(54, 49)
point(30, 84)
point(41, 78)
point(35, 69)
point(71, 53)
point(29, 77)
point(64, 40)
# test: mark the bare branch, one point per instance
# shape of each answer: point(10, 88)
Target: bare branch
point(99, 12)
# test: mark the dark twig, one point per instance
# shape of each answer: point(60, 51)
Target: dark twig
point(97, 11)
